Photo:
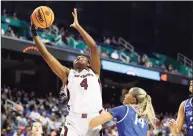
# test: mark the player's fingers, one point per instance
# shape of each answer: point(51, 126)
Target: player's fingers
point(72, 25)
point(172, 124)
point(73, 14)
point(173, 121)
point(75, 11)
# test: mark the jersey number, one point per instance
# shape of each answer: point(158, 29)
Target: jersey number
point(139, 120)
point(84, 84)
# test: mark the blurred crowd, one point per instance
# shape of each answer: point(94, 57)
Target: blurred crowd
point(47, 110)
point(50, 112)
point(66, 39)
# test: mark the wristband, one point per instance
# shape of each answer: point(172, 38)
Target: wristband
point(33, 31)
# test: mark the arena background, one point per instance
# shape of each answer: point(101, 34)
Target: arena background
point(144, 44)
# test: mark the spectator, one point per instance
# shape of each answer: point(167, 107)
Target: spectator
point(2, 31)
point(5, 12)
point(104, 54)
point(34, 115)
point(143, 60)
point(59, 41)
point(87, 50)
point(107, 40)
point(148, 64)
point(115, 55)
point(163, 67)
point(61, 31)
point(15, 15)
point(37, 129)
point(71, 41)
point(10, 32)
point(54, 29)
point(113, 41)
point(170, 68)
point(47, 30)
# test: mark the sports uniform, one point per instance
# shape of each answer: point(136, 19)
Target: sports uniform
point(84, 102)
point(188, 111)
point(128, 122)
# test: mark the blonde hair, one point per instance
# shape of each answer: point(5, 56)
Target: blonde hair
point(144, 107)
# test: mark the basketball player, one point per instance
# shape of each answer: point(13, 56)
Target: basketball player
point(81, 83)
point(133, 118)
point(185, 115)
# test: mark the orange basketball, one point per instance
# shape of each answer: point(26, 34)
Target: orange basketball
point(42, 17)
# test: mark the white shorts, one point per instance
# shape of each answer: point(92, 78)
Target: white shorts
point(76, 125)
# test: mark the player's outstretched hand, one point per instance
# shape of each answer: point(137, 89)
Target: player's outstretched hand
point(75, 23)
point(173, 127)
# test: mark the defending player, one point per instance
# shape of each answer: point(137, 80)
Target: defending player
point(81, 83)
point(185, 115)
point(134, 117)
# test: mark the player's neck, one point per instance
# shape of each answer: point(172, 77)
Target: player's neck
point(79, 70)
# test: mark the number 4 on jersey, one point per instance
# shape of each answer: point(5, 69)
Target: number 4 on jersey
point(84, 84)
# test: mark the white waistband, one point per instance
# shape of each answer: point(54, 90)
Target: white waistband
point(80, 114)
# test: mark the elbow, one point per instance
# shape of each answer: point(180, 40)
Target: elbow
point(94, 46)
point(94, 49)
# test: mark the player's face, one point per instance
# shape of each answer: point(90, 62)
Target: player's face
point(190, 88)
point(129, 99)
point(80, 62)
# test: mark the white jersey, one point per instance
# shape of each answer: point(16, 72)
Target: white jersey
point(85, 92)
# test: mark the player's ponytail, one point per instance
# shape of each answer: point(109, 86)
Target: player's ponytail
point(149, 111)
point(144, 107)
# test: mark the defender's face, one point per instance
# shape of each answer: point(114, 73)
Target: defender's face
point(190, 87)
point(80, 62)
point(129, 99)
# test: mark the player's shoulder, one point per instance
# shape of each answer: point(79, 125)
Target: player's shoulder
point(182, 106)
point(93, 71)
point(123, 108)
point(183, 103)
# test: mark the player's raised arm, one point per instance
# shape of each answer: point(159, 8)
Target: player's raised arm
point(57, 68)
point(176, 125)
point(94, 56)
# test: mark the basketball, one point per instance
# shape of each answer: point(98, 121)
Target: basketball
point(42, 17)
